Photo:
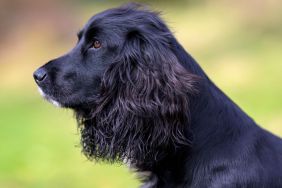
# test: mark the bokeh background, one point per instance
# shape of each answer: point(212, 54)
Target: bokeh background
point(238, 43)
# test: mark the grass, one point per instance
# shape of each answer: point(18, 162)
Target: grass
point(40, 144)
point(41, 149)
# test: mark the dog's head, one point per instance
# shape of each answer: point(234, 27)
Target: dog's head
point(126, 85)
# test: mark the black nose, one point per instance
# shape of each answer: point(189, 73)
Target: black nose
point(39, 75)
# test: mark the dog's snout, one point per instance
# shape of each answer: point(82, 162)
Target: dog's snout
point(40, 75)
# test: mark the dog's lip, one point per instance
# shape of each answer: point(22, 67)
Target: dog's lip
point(41, 92)
point(49, 98)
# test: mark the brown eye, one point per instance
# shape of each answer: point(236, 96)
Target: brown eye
point(96, 44)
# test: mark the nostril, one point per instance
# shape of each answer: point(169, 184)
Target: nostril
point(39, 75)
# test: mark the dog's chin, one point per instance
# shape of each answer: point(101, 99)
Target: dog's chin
point(50, 99)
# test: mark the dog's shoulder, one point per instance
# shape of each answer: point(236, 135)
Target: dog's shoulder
point(255, 161)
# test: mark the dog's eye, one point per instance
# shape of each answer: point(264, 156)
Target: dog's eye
point(96, 44)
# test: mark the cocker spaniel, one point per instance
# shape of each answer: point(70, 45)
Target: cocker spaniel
point(139, 97)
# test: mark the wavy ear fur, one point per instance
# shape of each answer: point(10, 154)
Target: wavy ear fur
point(142, 111)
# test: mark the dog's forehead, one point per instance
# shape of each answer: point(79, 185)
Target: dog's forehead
point(122, 19)
point(90, 24)
point(100, 20)
point(122, 16)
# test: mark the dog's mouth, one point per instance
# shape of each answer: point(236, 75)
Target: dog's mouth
point(49, 98)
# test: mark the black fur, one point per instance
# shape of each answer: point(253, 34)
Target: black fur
point(142, 99)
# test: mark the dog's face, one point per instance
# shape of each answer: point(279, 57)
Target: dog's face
point(73, 80)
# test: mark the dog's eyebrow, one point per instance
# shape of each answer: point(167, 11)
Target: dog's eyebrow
point(91, 32)
point(79, 34)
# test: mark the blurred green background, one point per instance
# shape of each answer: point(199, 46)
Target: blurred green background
point(238, 43)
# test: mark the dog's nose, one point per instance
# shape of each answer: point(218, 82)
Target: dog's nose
point(39, 75)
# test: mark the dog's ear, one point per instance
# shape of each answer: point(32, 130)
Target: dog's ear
point(156, 78)
point(149, 82)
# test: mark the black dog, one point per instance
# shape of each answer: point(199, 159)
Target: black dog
point(140, 98)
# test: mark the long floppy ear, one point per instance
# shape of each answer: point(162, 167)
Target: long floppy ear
point(143, 108)
point(152, 77)
point(151, 83)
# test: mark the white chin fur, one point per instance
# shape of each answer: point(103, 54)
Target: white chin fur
point(55, 103)
point(41, 92)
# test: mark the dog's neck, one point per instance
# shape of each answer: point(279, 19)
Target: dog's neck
point(210, 109)
point(212, 113)
point(212, 116)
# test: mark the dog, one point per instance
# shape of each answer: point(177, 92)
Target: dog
point(140, 98)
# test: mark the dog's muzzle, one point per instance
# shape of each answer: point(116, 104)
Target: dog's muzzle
point(40, 77)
